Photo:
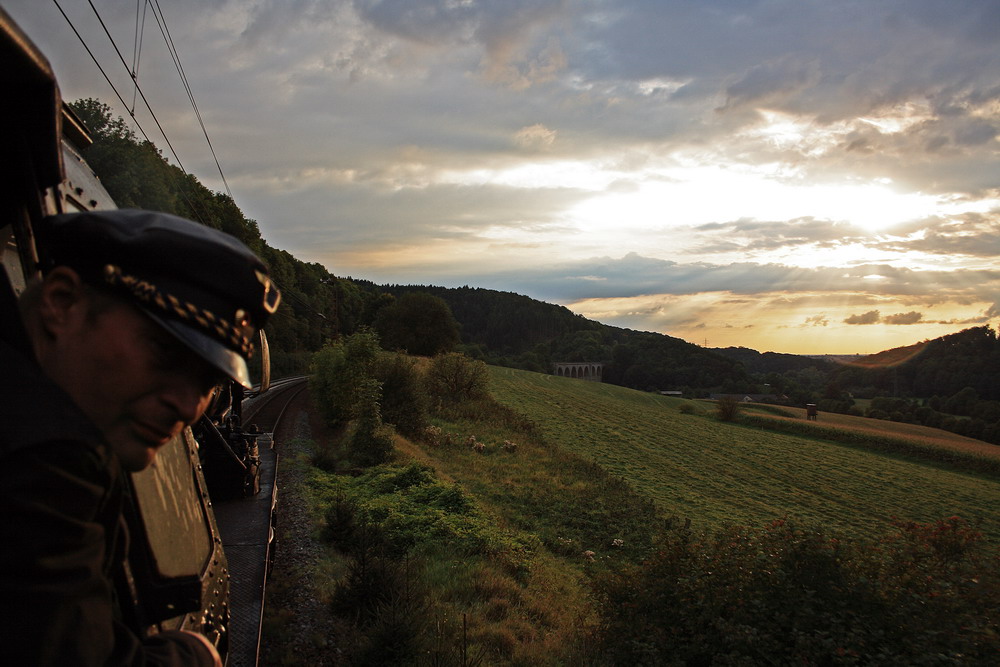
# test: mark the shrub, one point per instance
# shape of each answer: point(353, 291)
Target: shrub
point(403, 397)
point(372, 441)
point(727, 408)
point(921, 594)
point(454, 377)
point(338, 373)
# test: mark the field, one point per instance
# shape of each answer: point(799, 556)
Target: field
point(915, 433)
point(535, 528)
point(714, 473)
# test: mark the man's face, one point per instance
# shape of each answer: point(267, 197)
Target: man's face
point(137, 383)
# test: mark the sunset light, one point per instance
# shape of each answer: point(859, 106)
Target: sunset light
point(638, 162)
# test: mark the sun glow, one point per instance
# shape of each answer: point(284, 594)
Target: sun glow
point(711, 194)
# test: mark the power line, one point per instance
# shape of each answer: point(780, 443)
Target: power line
point(105, 74)
point(137, 87)
point(161, 21)
point(191, 204)
point(137, 45)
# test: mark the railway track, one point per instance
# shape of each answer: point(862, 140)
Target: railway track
point(265, 410)
point(246, 526)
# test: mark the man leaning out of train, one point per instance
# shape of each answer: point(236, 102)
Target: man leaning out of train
point(115, 349)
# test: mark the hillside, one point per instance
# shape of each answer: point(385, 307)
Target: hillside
point(774, 362)
point(517, 331)
point(942, 367)
point(573, 521)
point(717, 473)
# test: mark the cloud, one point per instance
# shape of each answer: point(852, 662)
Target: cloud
point(769, 82)
point(763, 235)
point(379, 137)
point(972, 234)
point(535, 137)
point(874, 317)
point(871, 317)
point(913, 317)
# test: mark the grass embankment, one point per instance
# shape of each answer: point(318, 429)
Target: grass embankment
point(493, 553)
point(717, 473)
point(490, 553)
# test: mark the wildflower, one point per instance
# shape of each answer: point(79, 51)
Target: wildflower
point(617, 543)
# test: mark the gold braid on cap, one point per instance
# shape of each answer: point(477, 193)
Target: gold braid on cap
point(219, 327)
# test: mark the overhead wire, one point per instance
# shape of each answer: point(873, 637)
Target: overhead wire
point(137, 86)
point(200, 214)
point(161, 21)
point(137, 46)
point(99, 67)
point(133, 73)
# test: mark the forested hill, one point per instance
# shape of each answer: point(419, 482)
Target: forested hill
point(940, 367)
point(774, 362)
point(509, 329)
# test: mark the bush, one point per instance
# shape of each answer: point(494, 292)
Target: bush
point(372, 442)
point(338, 372)
point(727, 408)
point(454, 377)
point(921, 594)
point(403, 399)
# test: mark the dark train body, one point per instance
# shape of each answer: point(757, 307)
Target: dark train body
point(177, 575)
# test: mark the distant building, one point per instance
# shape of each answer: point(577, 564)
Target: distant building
point(581, 370)
point(747, 398)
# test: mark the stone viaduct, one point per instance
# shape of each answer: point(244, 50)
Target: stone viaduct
point(583, 370)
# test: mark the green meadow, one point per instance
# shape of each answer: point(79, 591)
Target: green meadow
point(525, 527)
point(695, 466)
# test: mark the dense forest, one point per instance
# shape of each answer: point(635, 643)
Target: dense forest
point(508, 329)
point(947, 382)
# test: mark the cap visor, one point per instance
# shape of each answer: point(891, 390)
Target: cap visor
point(217, 355)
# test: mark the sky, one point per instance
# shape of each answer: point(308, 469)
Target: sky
point(800, 176)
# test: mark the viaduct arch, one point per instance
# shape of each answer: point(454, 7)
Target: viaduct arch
point(582, 370)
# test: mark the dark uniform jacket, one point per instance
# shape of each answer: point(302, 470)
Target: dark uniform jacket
point(61, 497)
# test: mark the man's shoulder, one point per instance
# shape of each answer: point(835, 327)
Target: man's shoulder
point(34, 411)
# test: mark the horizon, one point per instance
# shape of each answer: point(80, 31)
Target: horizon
point(702, 345)
point(820, 179)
